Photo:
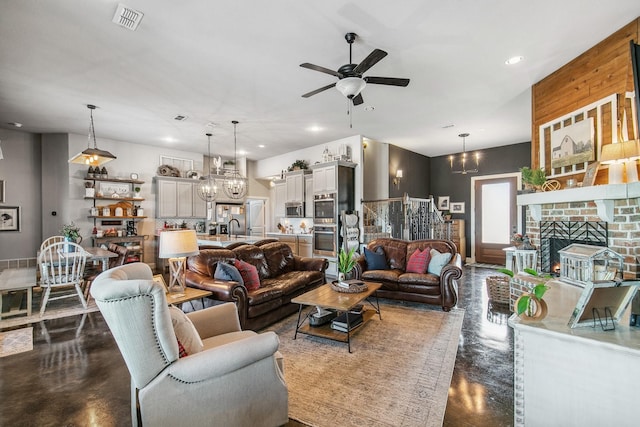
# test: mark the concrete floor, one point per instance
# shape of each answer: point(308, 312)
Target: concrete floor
point(76, 378)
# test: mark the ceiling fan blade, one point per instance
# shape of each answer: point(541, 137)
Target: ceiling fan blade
point(391, 81)
point(357, 100)
point(370, 61)
point(321, 69)
point(313, 92)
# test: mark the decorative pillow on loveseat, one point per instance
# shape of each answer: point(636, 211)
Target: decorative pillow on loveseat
point(249, 274)
point(186, 333)
point(419, 261)
point(226, 271)
point(376, 260)
point(438, 261)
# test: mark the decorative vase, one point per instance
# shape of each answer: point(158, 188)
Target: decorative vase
point(538, 309)
point(341, 277)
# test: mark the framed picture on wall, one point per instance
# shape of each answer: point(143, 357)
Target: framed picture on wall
point(9, 218)
point(590, 174)
point(457, 207)
point(443, 203)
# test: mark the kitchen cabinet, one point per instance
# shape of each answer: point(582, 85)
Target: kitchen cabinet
point(325, 179)
point(295, 185)
point(308, 196)
point(279, 199)
point(291, 240)
point(178, 198)
point(305, 246)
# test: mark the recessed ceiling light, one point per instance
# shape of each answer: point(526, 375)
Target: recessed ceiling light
point(242, 152)
point(15, 124)
point(169, 139)
point(314, 128)
point(514, 60)
point(369, 108)
point(261, 146)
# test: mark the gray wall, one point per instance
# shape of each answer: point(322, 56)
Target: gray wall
point(416, 173)
point(55, 183)
point(20, 170)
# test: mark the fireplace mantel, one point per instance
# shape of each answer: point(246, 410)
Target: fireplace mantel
point(604, 197)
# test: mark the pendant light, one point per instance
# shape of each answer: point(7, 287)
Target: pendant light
point(235, 185)
point(207, 188)
point(92, 156)
point(462, 161)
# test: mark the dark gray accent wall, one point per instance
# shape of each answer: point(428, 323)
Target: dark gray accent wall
point(55, 183)
point(20, 170)
point(416, 173)
point(509, 158)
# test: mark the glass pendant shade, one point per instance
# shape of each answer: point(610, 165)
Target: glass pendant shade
point(350, 86)
point(207, 188)
point(235, 185)
point(92, 156)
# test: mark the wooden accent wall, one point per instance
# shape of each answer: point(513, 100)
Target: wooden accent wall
point(603, 70)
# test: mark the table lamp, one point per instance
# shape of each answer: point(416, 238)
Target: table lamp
point(176, 246)
point(619, 155)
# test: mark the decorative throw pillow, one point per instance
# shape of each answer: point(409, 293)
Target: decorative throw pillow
point(226, 271)
point(438, 260)
point(418, 261)
point(181, 351)
point(186, 333)
point(249, 274)
point(376, 260)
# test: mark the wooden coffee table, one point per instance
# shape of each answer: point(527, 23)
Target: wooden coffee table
point(188, 295)
point(327, 298)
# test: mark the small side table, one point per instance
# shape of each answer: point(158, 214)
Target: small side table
point(18, 279)
point(526, 258)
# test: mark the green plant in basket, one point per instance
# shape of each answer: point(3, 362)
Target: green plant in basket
point(70, 231)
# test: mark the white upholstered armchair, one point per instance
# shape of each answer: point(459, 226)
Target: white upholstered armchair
point(236, 380)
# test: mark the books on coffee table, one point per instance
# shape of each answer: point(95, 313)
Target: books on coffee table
point(340, 322)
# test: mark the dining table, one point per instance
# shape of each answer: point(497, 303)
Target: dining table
point(95, 254)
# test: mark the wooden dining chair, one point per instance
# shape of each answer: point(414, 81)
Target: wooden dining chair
point(62, 269)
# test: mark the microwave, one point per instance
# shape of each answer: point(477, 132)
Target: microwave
point(294, 209)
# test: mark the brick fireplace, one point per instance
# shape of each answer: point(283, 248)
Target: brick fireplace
point(616, 206)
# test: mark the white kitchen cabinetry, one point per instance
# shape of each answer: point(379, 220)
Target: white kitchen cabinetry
point(178, 198)
point(325, 179)
point(305, 246)
point(308, 196)
point(279, 199)
point(295, 186)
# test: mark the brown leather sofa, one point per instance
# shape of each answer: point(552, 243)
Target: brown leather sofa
point(283, 276)
point(429, 288)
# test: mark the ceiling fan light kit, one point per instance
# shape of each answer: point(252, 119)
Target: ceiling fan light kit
point(350, 86)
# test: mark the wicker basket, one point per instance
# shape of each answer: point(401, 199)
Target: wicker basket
point(498, 289)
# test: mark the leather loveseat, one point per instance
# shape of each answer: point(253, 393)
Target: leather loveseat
point(438, 289)
point(282, 275)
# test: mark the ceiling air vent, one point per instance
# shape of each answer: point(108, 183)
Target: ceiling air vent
point(127, 17)
point(180, 118)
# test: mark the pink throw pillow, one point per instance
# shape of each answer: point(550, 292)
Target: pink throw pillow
point(249, 274)
point(419, 261)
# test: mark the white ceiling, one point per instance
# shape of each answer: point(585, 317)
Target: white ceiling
point(217, 61)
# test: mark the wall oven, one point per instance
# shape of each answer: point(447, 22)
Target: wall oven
point(294, 209)
point(325, 209)
point(325, 240)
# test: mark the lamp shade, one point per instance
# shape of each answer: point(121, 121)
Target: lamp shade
point(612, 153)
point(176, 244)
point(399, 173)
point(350, 86)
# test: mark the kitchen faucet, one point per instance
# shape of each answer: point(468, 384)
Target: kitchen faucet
point(231, 228)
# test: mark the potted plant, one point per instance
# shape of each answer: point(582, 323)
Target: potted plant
point(533, 178)
point(446, 215)
point(71, 233)
point(346, 262)
point(298, 164)
point(136, 192)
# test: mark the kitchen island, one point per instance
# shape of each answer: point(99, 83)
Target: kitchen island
point(224, 240)
point(301, 243)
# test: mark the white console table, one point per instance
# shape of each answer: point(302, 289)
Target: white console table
point(574, 377)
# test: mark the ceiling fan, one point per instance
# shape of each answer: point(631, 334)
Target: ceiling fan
point(351, 82)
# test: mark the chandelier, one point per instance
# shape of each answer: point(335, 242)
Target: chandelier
point(235, 185)
point(92, 156)
point(207, 189)
point(460, 165)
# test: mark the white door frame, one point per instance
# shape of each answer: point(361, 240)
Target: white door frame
point(472, 217)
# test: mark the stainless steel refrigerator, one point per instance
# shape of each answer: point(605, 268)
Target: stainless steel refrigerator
point(226, 212)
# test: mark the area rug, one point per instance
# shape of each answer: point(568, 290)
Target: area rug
point(55, 310)
point(398, 373)
point(16, 341)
